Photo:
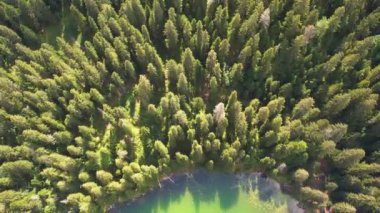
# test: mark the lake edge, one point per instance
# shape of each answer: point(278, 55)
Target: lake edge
point(167, 179)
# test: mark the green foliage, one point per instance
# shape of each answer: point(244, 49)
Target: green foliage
point(348, 158)
point(144, 90)
point(343, 208)
point(104, 177)
point(171, 40)
point(19, 171)
point(294, 153)
point(125, 92)
point(362, 202)
point(301, 175)
point(314, 197)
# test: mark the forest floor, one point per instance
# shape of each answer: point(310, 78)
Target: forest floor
point(66, 27)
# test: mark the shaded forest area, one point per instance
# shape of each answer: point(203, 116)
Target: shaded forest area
point(99, 99)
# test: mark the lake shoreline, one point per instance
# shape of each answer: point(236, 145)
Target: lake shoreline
point(173, 177)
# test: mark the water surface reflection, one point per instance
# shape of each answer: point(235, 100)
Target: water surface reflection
point(213, 192)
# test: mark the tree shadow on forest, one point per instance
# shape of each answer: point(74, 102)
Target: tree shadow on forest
point(66, 26)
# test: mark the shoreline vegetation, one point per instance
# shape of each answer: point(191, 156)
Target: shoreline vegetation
point(162, 179)
point(99, 98)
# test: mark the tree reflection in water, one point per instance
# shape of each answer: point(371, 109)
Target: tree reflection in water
point(204, 191)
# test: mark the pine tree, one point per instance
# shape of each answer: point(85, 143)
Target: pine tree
point(135, 12)
point(144, 91)
point(156, 19)
point(171, 37)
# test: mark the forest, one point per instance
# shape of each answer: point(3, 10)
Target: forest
point(100, 99)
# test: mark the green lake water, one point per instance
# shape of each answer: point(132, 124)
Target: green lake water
point(211, 192)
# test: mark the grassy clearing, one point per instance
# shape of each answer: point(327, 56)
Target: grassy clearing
point(66, 27)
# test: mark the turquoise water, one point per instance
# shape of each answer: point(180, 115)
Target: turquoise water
point(210, 192)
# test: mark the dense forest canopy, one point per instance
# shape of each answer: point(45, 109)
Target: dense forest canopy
point(99, 99)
